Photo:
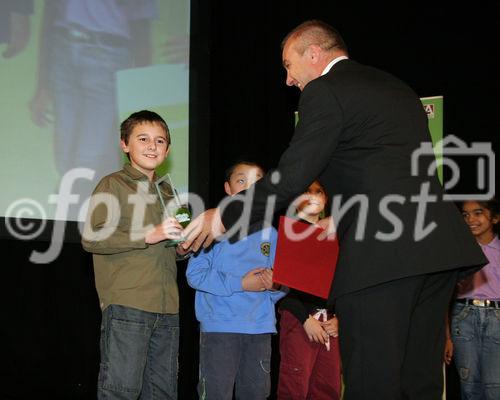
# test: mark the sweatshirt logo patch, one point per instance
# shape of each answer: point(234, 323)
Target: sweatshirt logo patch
point(265, 248)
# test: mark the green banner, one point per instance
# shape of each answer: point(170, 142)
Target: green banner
point(433, 107)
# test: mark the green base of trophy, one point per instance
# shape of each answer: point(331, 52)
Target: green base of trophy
point(174, 242)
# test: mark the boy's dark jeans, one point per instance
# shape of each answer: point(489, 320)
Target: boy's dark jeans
point(138, 354)
point(234, 360)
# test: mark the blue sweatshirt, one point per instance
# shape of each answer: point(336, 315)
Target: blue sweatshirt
point(221, 304)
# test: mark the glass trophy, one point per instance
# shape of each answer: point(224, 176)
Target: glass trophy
point(180, 211)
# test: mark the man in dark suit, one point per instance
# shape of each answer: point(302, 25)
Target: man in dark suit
point(401, 245)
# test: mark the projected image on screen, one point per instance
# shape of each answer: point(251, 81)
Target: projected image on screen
point(70, 71)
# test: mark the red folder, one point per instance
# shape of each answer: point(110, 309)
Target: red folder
point(304, 263)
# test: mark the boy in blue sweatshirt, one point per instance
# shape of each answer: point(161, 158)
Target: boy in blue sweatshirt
point(236, 306)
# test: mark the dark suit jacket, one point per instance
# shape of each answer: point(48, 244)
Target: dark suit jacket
point(358, 127)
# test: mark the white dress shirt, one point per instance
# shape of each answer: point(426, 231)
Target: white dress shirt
point(332, 63)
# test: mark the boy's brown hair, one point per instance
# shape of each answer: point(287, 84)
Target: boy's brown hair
point(140, 117)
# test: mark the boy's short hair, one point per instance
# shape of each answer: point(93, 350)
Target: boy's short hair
point(140, 117)
point(230, 170)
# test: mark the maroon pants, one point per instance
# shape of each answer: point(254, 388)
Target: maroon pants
point(307, 369)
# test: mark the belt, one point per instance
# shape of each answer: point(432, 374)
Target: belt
point(479, 302)
point(91, 37)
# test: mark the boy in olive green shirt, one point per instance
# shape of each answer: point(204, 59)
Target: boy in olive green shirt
point(135, 273)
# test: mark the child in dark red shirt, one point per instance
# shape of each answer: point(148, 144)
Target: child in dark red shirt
point(310, 358)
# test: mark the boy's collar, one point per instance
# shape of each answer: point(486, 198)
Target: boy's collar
point(135, 173)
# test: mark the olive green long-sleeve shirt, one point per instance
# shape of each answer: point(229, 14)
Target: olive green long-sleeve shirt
point(128, 271)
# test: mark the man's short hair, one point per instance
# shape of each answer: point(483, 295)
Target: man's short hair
point(315, 32)
point(140, 117)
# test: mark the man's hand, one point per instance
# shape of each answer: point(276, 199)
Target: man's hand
point(19, 34)
point(168, 229)
point(203, 230)
point(315, 331)
point(40, 108)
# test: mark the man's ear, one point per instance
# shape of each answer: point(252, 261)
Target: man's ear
point(227, 189)
point(313, 53)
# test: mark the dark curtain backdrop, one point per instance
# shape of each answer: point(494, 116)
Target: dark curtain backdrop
point(240, 107)
point(435, 48)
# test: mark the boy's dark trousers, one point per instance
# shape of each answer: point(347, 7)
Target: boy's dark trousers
point(307, 369)
point(392, 338)
point(234, 360)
